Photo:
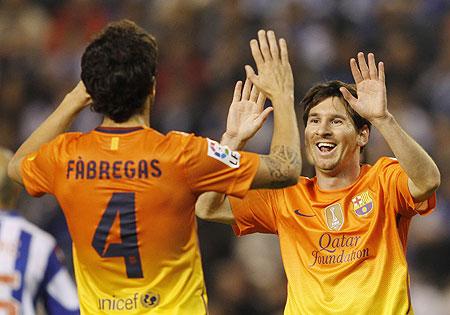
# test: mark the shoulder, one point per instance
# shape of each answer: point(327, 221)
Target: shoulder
point(383, 163)
point(187, 141)
point(64, 140)
point(68, 137)
point(180, 136)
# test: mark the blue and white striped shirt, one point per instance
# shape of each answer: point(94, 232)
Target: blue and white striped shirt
point(30, 270)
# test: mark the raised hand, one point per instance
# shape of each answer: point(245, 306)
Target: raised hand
point(274, 77)
point(78, 97)
point(370, 87)
point(246, 114)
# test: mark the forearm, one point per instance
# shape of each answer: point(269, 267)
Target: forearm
point(233, 143)
point(418, 165)
point(53, 126)
point(215, 207)
point(283, 163)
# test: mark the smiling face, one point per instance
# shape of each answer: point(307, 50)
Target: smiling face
point(333, 144)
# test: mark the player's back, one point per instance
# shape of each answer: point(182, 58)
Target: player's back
point(30, 269)
point(129, 196)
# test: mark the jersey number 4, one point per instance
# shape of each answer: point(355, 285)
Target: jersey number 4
point(124, 204)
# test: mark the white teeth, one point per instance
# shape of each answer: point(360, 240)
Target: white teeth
point(325, 145)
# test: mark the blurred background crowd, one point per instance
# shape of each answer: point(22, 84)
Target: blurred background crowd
point(203, 48)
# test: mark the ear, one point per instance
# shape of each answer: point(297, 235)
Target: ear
point(363, 136)
point(153, 88)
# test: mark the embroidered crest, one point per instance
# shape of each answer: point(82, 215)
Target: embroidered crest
point(362, 204)
point(223, 154)
point(334, 217)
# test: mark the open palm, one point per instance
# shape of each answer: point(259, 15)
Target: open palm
point(246, 114)
point(371, 103)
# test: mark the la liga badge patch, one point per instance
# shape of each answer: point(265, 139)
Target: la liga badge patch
point(223, 154)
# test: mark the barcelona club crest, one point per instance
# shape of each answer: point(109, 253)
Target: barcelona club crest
point(362, 204)
point(334, 217)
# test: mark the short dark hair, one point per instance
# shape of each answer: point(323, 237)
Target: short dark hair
point(322, 91)
point(118, 69)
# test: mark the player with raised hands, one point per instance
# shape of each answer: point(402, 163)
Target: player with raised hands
point(343, 233)
point(128, 192)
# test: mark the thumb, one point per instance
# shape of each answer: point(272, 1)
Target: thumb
point(263, 116)
point(251, 75)
point(348, 96)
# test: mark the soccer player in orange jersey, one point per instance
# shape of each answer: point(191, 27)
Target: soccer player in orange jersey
point(343, 233)
point(128, 192)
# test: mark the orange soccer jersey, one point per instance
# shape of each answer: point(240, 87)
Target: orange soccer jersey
point(128, 196)
point(343, 250)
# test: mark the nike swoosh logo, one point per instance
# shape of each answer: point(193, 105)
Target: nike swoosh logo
point(297, 212)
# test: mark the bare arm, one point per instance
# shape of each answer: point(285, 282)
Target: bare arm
point(53, 126)
point(282, 166)
point(423, 175)
point(245, 117)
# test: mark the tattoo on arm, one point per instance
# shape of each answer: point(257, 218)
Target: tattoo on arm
point(281, 162)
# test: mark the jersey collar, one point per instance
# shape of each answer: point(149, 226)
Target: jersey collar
point(118, 130)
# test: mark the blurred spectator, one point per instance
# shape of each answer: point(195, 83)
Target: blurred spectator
point(30, 266)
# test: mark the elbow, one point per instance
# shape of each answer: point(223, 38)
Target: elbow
point(292, 179)
point(434, 180)
point(11, 169)
point(204, 215)
point(205, 211)
point(428, 187)
point(201, 213)
point(289, 179)
point(293, 175)
point(13, 172)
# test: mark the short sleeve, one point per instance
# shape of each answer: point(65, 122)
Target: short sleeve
point(395, 181)
point(39, 168)
point(212, 167)
point(256, 212)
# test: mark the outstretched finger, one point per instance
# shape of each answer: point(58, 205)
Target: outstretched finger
point(256, 53)
point(355, 71)
point(284, 51)
point(348, 96)
point(273, 45)
point(363, 66)
point(251, 75)
point(263, 116)
point(237, 91)
point(372, 67)
point(254, 94)
point(262, 38)
point(247, 89)
point(381, 75)
point(261, 101)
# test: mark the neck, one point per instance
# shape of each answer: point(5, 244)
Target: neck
point(141, 119)
point(136, 120)
point(332, 180)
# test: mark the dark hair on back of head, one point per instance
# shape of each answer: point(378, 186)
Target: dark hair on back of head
point(322, 91)
point(118, 69)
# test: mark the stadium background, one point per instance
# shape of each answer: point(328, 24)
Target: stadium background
point(203, 47)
